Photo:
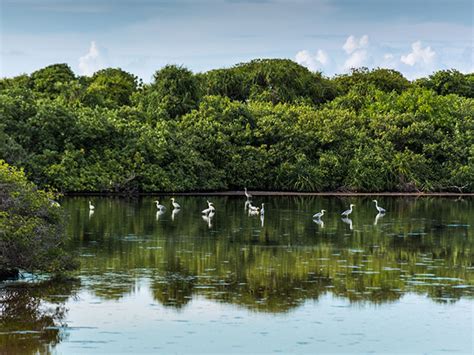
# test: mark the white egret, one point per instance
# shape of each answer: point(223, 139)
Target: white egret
point(347, 212)
point(158, 206)
point(247, 203)
point(209, 209)
point(380, 209)
point(262, 209)
point(253, 208)
point(91, 206)
point(54, 203)
point(175, 204)
point(254, 212)
point(249, 196)
point(319, 214)
point(262, 219)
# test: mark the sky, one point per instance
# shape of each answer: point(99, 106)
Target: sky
point(415, 37)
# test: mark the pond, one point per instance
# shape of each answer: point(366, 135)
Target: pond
point(176, 282)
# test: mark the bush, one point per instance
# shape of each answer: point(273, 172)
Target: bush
point(31, 227)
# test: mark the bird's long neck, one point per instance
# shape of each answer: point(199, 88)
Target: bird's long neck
point(322, 212)
point(376, 204)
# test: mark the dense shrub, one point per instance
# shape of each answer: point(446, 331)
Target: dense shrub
point(266, 124)
point(31, 227)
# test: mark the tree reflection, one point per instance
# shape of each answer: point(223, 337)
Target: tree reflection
point(273, 267)
point(32, 316)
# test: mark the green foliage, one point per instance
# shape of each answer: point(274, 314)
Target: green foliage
point(174, 92)
point(269, 124)
point(110, 88)
point(31, 227)
point(446, 82)
point(272, 80)
point(386, 80)
point(50, 79)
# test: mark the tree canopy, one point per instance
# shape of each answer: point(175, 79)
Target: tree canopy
point(267, 124)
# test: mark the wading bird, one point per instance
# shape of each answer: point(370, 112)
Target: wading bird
point(380, 209)
point(262, 210)
point(347, 212)
point(54, 203)
point(209, 209)
point(319, 214)
point(91, 206)
point(253, 208)
point(249, 196)
point(158, 206)
point(175, 204)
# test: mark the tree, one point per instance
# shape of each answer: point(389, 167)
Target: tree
point(174, 91)
point(386, 80)
point(451, 81)
point(273, 80)
point(111, 87)
point(31, 227)
point(48, 80)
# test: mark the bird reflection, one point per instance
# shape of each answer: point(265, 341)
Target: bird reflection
point(377, 217)
point(348, 221)
point(174, 213)
point(159, 213)
point(208, 218)
point(319, 222)
point(262, 219)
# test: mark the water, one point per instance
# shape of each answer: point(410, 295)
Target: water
point(174, 283)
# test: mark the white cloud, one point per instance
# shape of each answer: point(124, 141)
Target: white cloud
point(312, 62)
point(356, 59)
point(352, 43)
point(356, 47)
point(92, 61)
point(418, 55)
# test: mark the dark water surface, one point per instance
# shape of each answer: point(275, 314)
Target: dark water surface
point(174, 283)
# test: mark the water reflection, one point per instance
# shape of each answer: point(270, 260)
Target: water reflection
point(208, 219)
point(348, 221)
point(174, 213)
point(377, 217)
point(158, 214)
point(234, 257)
point(319, 222)
point(274, 263)
point(32, 316)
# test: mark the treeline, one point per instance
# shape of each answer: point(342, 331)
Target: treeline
point(266, 124)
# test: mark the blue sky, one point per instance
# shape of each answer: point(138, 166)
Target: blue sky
point(415, 37)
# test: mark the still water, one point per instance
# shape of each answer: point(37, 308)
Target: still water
point(174, 282)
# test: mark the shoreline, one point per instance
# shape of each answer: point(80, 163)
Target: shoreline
point(276, 193)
